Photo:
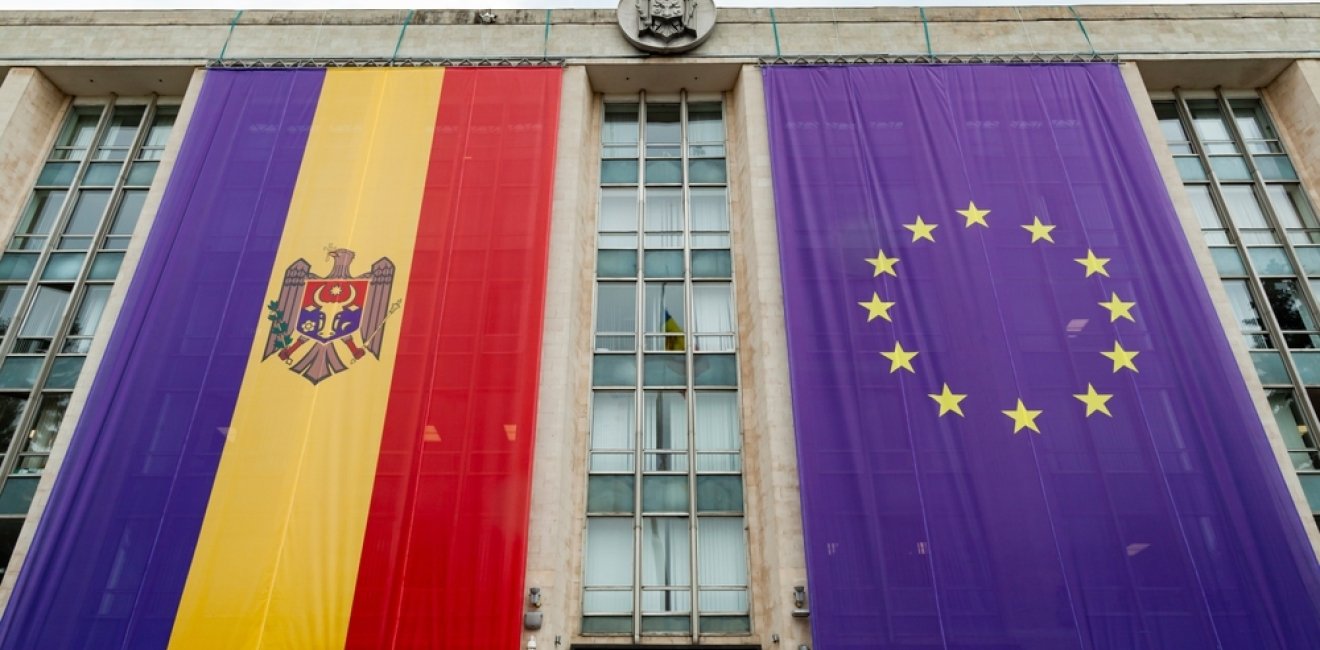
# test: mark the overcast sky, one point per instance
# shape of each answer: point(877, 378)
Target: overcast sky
point(518, 4)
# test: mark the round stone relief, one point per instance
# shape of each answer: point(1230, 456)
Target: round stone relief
point(666, 26)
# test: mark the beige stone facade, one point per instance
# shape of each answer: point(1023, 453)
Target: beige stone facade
point(50, 58)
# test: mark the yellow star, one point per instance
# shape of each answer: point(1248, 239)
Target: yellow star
point(974, 215)
point(1022, 417)
point(1095, 402)
point(948, 401)
point(883, 264)
point(1093, 264)
point(877, 308)
point(899, 358)
point(1118, 309)
point(1122, 358)
point(1039, 231)
point(921, 229)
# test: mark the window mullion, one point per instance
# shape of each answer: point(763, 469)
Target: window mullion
point(639, 390)
point(690, 363)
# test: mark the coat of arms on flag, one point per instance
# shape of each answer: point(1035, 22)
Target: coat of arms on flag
point(329, 314)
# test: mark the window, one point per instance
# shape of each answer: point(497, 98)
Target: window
point(1265, 242)
point(55, 279)
point(666, 549)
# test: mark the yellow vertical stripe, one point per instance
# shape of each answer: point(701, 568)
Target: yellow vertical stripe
point(277, 559)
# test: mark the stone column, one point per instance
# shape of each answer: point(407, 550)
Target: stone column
point(30, 110)
point(556, 527)
point(774, 511)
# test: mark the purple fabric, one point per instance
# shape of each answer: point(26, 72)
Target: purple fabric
point(1167, 525)
point(109, 561)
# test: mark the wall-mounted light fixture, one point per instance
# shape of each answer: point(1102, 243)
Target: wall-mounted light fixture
point(800, 602)
point(532, 619)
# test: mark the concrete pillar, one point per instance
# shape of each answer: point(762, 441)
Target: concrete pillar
point(774, 512)
point(556, 527)
point(30, 110)
point(113, 305)
point(1227, 319)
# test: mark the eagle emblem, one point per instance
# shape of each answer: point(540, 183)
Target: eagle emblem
point(320, 317)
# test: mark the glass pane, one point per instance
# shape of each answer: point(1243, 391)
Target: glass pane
point(664, 310)
point(615, 601)
point(618, 171)
point(58, 174)
point(41, 213)
point(665, 561)
point(159, 133)
point(49, 415)
point(664, 264)
point(710, 208)
point(712, 264)
point(723, 624)
point(613, 421)
point(1243, 208)
point(722, 559)
point(1290, 204)
point(609, 561)
point(1229, 262)
point(141, 174)
point(1311, 486)
point(63, 266)
point(662, 124)
point(716, 421)
point(1269, 367)
point(106, 266)
point(664, 370)
point(616, 264)
point(610, 494)
point(88, 315)
point(1244, 307)
point(620, 124)
point(102, 174)
point(664, 172)
point(712, 312)
point(78, 132)
point(715, 370)
point(666, 602)
point(664, 209)
point(11, 410)
point(1290, 309)
point(618, 209)
point(44, 315)
point(120, 133)
point(664, 494)
point(614, 370)
point(19, 372)
point(664, 423)
point(706, 170)
point(705, 122)
point(64, 372)
point(1308, 366)
point(1189, 168)
point(1203, 207)
point(17, 266)
point(1270, 261)
point(614, 241)
point(1211, 127)
point(126, 215)
point(1276, 168)
point(1230, 168)
point(16, 497)
point(87, 212)
point(608, 624)
point(716, 493)
point(616, 313)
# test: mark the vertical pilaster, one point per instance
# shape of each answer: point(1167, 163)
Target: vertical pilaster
point(30, 110)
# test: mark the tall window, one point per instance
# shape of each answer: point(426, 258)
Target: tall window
point(55, 279)
point(1265, 241)
point(666, 550)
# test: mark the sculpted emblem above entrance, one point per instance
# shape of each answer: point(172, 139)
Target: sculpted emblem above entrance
point(666, 26)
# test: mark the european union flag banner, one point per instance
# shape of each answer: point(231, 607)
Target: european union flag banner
point(1019, 421)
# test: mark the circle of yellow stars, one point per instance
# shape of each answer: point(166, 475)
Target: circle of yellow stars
point(950, 402)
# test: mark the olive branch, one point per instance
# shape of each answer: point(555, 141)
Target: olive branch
point(278, 327)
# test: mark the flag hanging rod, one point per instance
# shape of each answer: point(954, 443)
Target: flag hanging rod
point(519, 62)
point(829, 59)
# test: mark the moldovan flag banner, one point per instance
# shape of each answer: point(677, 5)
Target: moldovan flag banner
point(313, 424)
point(1019, 421)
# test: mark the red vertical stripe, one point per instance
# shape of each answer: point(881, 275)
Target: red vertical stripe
point(446, 539)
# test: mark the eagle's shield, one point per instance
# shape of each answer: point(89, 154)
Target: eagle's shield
point(332, 309)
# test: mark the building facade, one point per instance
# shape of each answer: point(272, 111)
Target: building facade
point(662, 499)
